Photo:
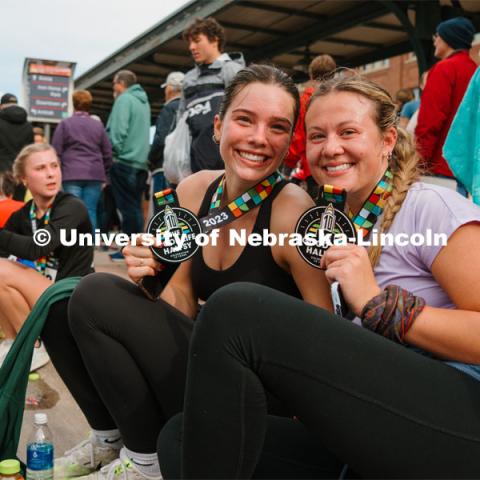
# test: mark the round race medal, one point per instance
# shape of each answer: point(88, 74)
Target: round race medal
point(176, 228)
point(321, 227)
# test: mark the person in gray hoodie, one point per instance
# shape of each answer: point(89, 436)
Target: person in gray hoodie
point(203, 88)
point(128, 130)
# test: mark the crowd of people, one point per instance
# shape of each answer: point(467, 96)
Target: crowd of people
point(237, 367)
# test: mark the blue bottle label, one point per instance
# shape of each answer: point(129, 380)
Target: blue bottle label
point(39, 456)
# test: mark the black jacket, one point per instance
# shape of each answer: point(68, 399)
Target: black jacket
point(165, 124)
point(68, 212)
point(15, 133)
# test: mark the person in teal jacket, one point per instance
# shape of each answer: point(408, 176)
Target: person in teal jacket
point(128, 129)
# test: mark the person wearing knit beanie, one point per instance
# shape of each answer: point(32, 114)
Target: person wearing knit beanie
point(457, 33)
point(447, 82)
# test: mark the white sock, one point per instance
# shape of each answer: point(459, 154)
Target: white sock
point(146, 463)
point(108, 438)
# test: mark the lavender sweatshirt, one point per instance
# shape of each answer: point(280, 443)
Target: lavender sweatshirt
point(83, 148)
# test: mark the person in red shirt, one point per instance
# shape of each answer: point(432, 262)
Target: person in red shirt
point(320, 67)
point(446, 85)
point(7, 204)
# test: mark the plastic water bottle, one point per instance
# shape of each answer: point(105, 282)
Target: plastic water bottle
point(40, 450)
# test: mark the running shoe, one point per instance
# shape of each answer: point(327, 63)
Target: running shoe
point(83, 459)
point(40, 357)
point(120, 469)
point(5, 346)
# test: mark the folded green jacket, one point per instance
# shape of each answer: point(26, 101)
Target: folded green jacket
point(16, 367)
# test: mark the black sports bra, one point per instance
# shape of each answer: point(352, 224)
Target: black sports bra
point(255, 264)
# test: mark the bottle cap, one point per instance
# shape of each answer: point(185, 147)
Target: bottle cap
point(40, 418)
point(9, 467)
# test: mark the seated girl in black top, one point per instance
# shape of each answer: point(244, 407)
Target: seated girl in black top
point(37, 265)
point(139, 382)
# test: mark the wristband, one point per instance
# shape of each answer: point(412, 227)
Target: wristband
point(392, 313)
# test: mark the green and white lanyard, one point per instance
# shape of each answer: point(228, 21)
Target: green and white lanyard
point(40, 263)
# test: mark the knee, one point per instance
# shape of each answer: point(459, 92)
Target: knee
point(4, 271)
point(169, 447)
point(8, 271)
point(231, 311)
point(92, 295)
point(236, 303)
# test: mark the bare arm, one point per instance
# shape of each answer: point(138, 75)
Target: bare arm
point(290, 204)
point(179, 291)
point(449, 334)
point(454, 334)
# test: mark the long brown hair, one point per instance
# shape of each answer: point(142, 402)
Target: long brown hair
point(404, 162)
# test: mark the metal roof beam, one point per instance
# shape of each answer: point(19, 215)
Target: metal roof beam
point(251, 28)
point(384, 26)
point(312, 54)
point(148, 68)
point(388, 52)
point(364, 12)
point(277, 9)
point(348, 41)
point(168, 66)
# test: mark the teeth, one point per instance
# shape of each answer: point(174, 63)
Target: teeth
point(338, 168)
point(252, 157)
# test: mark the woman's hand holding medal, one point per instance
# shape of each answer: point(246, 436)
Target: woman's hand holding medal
point(141, 262)
point(350, 266)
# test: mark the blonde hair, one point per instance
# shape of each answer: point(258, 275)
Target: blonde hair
point(21, 160)
point(404, 162)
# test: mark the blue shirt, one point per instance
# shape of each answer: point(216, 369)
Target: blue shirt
point(410, 108)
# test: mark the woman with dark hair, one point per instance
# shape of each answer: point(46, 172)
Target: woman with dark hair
point(85, 153)
point(397, 398)
point(143, 345)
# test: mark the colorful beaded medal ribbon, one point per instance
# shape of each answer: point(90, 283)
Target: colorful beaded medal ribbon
point(241, 205)
point(166, 197)
point(248, 200)
point(40, 263)
point(217, 216)
point(371, 209)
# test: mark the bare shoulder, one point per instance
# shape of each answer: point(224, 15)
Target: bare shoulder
point(192, 190)
point(287, 208)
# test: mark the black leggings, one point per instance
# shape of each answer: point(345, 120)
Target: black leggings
point(64, 353)
point(122, 356)
point(385, 410)
point(290, 451)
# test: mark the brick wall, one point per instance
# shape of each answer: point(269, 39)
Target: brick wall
point(402, 71)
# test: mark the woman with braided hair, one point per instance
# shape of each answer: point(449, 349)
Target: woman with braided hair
point(397, 398)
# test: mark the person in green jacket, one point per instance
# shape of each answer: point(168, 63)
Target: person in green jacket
point(128, 129)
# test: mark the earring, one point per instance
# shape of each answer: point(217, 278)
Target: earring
point(214, 139)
